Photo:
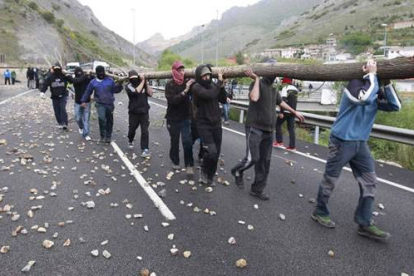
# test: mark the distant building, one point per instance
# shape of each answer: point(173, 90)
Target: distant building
point(405, 85)
point(396, 51)
point(290, 52)
point(343, 56)
point(331, 41)
point(403, 25)
point(329, 54)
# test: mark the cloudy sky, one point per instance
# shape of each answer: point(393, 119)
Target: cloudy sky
point(170, 18)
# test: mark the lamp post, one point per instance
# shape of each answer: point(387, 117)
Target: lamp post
point(217, 38)
point(385, 37)
point(133, 34)
point(202, 44)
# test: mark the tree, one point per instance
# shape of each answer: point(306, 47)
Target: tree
point(356, 43)
point(240, 58)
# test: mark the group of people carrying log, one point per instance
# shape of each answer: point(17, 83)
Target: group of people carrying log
point(193, 113)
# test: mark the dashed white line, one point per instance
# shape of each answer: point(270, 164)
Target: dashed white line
point(21, 94)
point(165, 211)
point(396, 185)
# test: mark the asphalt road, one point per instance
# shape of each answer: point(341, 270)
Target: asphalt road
point(296, 246)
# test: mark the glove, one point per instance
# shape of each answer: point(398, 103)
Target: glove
point(42, 95)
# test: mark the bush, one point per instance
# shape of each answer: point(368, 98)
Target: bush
point(55, 7)
point(33, 6)
point(60, 23)
point(48, 16)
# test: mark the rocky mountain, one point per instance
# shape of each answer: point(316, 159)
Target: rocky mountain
point(157, 43)
point(339, 18)
point(43, 31)
point(241, 26)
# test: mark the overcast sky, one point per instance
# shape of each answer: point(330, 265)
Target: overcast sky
point(170, 18)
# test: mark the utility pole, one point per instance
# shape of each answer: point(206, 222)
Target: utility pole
point(217, 38)
point(133, 35)
point(202, 44)
point(385, 37)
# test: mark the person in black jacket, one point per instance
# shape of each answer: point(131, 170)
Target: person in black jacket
point(138, 92)
point(57, 82)
point(82, 114)
point(260, 123)
point(290, 96)
point(179, 117)
point(207, 96)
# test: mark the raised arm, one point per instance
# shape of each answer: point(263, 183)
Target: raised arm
point(388, 99)
point(254, 94)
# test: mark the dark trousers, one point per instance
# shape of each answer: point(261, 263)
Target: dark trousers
point(59, 106)
point(195, 136)
point(291, 128)
point(136, 120)
point(259, 154)
point(13, 81)
point(211, 138)
point(6, 81)
point(183, 128)
point(106, 119)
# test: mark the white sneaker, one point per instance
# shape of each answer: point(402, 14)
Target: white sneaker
point(80, 131)
point(145, 153)
point(88, 138)
point(131, 145)
point(190, 170)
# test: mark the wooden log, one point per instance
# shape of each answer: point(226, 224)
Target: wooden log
point(399, 68)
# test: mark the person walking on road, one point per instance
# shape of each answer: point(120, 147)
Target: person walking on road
point(104, 89)
point(7, 77)
point(82, 113)
point(260, 123)
point(207, 96)
point(290, 96)
point(361, 100)
point(13, 77)
point(226, 107)
point(138, 92)
point(57, 82)
point(179, 117)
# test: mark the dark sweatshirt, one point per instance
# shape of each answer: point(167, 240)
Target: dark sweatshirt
point(290, 96)
point(80, 84)
point(57, 84)
point(207, 104)
point(138, 102)
point(179, 105)
point(262, 114)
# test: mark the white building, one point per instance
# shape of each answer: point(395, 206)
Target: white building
point(343, 56)
point(396, 51)
point(403, 25)
point(405, 85)
point(290, 52)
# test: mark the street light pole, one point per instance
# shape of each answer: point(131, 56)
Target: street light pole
point(133, 35)
point(217, 38)
point(385, 37)
point(202, 44)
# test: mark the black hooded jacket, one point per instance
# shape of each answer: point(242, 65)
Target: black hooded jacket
point(207, 97)
point(138, 102)
point(80, 83)
point(57, 83)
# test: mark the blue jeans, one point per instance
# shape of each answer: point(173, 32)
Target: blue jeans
point(358, 155)
point(82, 116)
point(175, 128)
point(106, 119)
point(59, 107)
point(226, 108)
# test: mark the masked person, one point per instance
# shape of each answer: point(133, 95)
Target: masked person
point(82, 114)
point(179, 117)
point(104, 89)
point(138, 92)
point(290, 96)
point(58, 82)
point(260, 123)
point(361, 100)
point(207, 96)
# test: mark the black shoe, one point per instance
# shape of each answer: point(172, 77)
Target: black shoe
point(65, 127)
point(101, 140)
point(108, 140)
point(260, 196)
point(238, 179)
point(211, 183)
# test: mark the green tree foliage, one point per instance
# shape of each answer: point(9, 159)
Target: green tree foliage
point(33, 6)
point(167, 59)
point(240, 58)
point(356, 43)
point(48, 16)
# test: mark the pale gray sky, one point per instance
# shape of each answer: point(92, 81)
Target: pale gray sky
point(170, 18)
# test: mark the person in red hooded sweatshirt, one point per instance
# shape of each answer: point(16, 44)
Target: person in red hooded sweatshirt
point(179, 117)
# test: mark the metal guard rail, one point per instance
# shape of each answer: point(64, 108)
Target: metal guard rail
point(394, 134)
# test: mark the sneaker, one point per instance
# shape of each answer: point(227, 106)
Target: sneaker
point(238, 179)
point(323, 220)
point(278, 145)
point(291, 148)
point(59, 126)
point(210, 182)
point(203, 179)
point(101, 140)
point(130, 144)
point(176, 167)
point(88, 138)
point(145, 153)
point(373, 232)
point(108, 140)
point(65, 127)
point(226, 123)
point(190, 170)
point(260, 196)
point(80, 131)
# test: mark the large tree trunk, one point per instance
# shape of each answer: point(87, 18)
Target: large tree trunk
point(399, 68)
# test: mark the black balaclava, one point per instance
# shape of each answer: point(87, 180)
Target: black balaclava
point(78, 72)
point(57, 69)
point(134, 78)
point(199, 80)
point(270, 79)
point(100, 72)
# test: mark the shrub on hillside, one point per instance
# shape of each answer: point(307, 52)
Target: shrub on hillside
point(33, 6)
point(48, 16)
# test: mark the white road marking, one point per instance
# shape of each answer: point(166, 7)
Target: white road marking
point(21, 94)
point(144, 184)
point(402, 187)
